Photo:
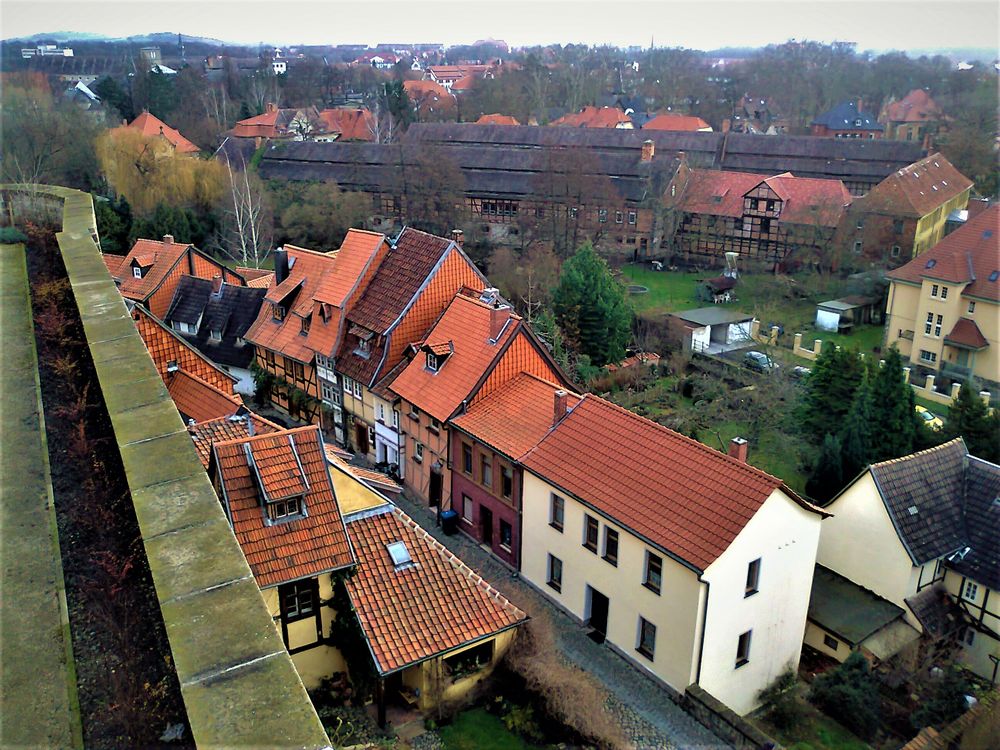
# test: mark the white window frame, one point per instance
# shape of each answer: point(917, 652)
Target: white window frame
point(357, 389)
point(551, 580)
point(631, 217)
point(934, 290)
point(743, 654)
point(972, 306)
point(649, 653)
point(136, 272)
point(347, 385)
point(931, 357)
point(557, 501)
point(971, 591)
point(937, 326)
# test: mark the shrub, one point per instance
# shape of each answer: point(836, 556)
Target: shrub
point(11, 235)
point(850, 695)
point(783, 707)
point(944, 700)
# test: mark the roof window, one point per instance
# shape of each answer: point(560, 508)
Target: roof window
point(400, 555)
point(931, 263)
point(994, 275)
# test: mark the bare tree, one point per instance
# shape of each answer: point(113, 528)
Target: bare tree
point(249, 224)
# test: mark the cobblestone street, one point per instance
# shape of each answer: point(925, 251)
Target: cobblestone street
point(645, 710)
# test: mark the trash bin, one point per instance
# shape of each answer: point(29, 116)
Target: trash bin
point(449, 522)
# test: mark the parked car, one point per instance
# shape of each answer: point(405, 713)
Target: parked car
point(759, 361)
point(929, 418)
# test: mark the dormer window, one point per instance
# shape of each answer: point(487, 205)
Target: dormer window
point(284, 509)
point(215, 334)
point(277, 312)
point(137, 272)
point(306, 322)
point(432, 362)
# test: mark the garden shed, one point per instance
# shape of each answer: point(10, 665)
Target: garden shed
point(845, 313)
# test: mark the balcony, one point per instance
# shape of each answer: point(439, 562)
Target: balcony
point(955, 372)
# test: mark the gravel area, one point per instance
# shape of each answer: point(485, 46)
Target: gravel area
point(645, 709)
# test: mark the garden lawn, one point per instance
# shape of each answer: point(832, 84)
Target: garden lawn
point(770, 454)
point(817, 731)
point(863, 338)
point(480, 730)
point(668, 290)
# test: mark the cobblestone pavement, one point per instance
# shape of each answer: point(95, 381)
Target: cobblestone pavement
point(645, 710)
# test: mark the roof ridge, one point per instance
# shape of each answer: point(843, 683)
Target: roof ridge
point(202, 381)
point(925, 451)
point(278, 434)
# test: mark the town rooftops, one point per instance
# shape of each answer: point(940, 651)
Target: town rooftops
point(416, 608)
point(849, 611)
point(941, 502)
point(352, 124)
point(515, 416)
point(918, 189)
point(682, 496)
point(497, 119)
point(846, 116)
point(917, 106)
point(462, 345)
point(154, 260)
point(151, 126)
point(236, 426)
point(275, 122)
point(594, 117)
point(970, 255)
point(198, 399)
point(670, 121)
point(299, 539)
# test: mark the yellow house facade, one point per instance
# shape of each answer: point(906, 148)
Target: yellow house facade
point(943, 308)
point(609, 543)
point(912, 529)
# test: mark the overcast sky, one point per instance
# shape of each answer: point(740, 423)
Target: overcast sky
point(700, 24)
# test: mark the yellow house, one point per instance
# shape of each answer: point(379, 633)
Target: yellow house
point(922, 532)
point(905, 214)
point(943, 309)
point(693, 565)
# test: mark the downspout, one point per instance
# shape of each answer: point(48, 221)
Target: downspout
point(704, 627)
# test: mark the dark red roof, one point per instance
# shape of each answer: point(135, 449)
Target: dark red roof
point(918, 189)
point(683, 496)
point(969, 255)
point(917, 106)
point(967, 335)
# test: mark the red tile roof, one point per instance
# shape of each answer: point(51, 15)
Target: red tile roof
point(967, 335)
point(464, 331)
point(224, 429)
point(465, 83)
point(157, 259)
point(918, 189)
point(113, 262)
point(594, 117)
point(687, 498)
point(151, 126)
point(352, 124)
point(669, 121)
point(377, 480)
point(199, 400)
point(969, 255)
point(805, 200)
point(432, 606)
point(457, 72)
point(514, 417)
point(254, 274)
point(288, 550)
point(260, 126)
point(497, 119)
point(917, 106)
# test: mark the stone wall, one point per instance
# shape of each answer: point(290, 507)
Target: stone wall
point(723, 721)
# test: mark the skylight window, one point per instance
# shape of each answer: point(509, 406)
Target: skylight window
point(400, 554)
point(994, 275)
point(931, 263)
point(913, 510)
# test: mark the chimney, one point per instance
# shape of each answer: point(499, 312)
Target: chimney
point(271, 107)
point(216, 284)
point(280, 265)
point(168, 239)
point(457, 235)
point(738, 449)
point(498, 319)
point(561, 399)
point(648, 149)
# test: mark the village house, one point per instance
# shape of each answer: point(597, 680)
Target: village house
point(497, 119)
point(200, 389)
point(908, 211)
point(449, 75)
point(915, 117)
point(756, 114)
point(671, 121)
point(153, 127)
point(214, 318)
point(922, 533)
point(430, 99)
point(346, 124)
point(781, 221)
point(596, 117)
point(303, 320)
point(943, 311)
point(417, 279)
point(693, 565)
point(295, 123)
point(477, 345)
point(488, 442)
point(847, 120)
point(151, 271)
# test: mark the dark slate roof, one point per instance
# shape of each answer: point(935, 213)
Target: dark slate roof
point(957, 502)
point(923, 495)
point(982, 522)
point(845, 115)
point(847, 610)
point(232, 312)
point(938, 613)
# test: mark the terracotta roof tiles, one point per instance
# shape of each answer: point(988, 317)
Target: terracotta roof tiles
point(165, 348)
point(917, 106)
point(497, 119)
point(966, 334)
point(593, 117)
point(156, 258)
point(113, 262)
point(352, 124)
point(199, 400)
point(416, 611)
point(285, 550)
point(669, 121)
point(223, 429)
point(150, 126)
point(918, 189)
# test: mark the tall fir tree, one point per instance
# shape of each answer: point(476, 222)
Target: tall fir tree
point(591, 307)
point(970, 419)
point(892, 412)
point(827, 478)
point(857, 436)
point(829, 391)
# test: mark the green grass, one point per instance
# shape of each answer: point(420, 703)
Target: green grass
point(769, 454)
point(817, 731)
point(933, 406)
point(863, 338)
point(668, 290)
point(479, 730)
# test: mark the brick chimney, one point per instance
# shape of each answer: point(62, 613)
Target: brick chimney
point(271, 107)
point(648, 149)
point(280, 265)
point(498, 319)
point(216, 283)
point(458, 236)
point(168, 239)
point(738, 449)
point(560, 402)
